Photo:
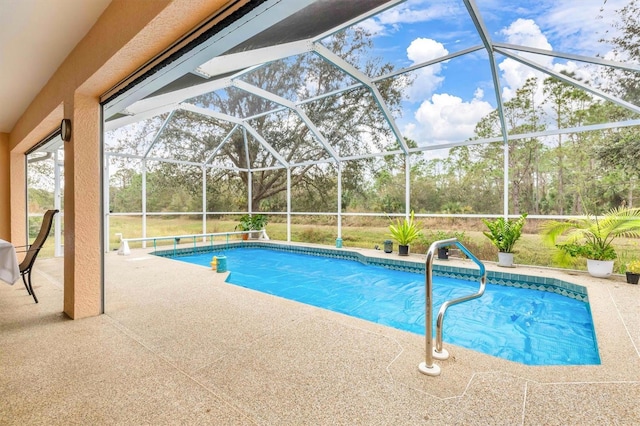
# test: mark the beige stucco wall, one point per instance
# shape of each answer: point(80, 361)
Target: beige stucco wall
point(5, 188)
point(129, 33)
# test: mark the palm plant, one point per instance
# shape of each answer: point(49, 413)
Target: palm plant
point(592, 236)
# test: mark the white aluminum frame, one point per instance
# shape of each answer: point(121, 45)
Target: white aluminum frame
point(245, 62)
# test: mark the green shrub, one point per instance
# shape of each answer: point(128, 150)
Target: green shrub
point(504, 233)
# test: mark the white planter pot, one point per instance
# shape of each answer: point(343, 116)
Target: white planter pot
point(505, 259)
point(600, 268)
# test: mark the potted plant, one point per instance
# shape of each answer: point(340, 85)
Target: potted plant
point(433, 236)
point(504, 233)
point(258, 223)
point(633, 272)
point(591, 237)
point(255, 222)
point(405, 232)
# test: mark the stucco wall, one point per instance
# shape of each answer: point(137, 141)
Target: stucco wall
point(5, 213)
point(128, 33)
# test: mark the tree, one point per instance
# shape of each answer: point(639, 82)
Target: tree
point(626, 47)
point(566, 102)
point(618, 152)
point(620, 148)
point(390, 180)
point(522, 116)
point(351, 121)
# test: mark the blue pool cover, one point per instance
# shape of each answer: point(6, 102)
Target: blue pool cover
point(527, 326)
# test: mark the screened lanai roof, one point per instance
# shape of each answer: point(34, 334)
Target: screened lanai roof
point(453, 61)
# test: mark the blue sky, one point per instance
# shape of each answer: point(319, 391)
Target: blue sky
point(448, 99)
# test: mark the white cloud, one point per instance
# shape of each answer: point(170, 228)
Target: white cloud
point(578, 26)
point(427, 79)
point(580, 73)
point(514, 74)
point(446, 118)
point(425, 49)
point(526, 32)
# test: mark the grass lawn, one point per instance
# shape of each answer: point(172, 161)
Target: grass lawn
point(363, 233)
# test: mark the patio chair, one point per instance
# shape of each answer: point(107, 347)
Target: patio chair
point(33, 249)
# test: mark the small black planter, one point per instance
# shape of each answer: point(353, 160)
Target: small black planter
point(403, 250)
point(632, 278)
point(443, 253)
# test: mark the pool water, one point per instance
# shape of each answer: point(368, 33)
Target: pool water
point(528, 326)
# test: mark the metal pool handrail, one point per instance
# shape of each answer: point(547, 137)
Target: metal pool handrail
point(124, 242)
point(428, 367)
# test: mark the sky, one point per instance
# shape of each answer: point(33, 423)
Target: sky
point(448, 99)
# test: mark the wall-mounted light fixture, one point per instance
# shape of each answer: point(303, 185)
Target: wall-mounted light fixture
point(65, 129)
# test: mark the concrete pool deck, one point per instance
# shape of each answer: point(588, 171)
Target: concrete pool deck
point(177, 345)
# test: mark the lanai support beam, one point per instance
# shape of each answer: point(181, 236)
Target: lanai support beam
point(106, 210)
point(570, 56)
point(472, 8)
point(288, 204)
point(364, 79)
point(407, 185)
point(221, 145)
point(238, 61)
point(249, 172)
point(246, 126)
point(265, 144)
point(131, 118)
point(571, 81)
point(204, 202)
point(158, 133)
point(288, 104)
point(144, 201)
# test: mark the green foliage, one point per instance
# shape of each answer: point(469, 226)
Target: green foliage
point(259, 221)
point(245, 223)
point(432, 236)
point(591, 236)
point(352, 122)
point(405, 231)
point(625, 46)
point(39, 199)
point(588, 251)
point(504, 233)
point(634, 267)
point(255, 222)
point(363, 234)
point(547, 174)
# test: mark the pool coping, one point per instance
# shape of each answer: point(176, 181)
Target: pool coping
point(548, 284)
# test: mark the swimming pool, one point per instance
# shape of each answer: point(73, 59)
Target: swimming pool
point(520, 324)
